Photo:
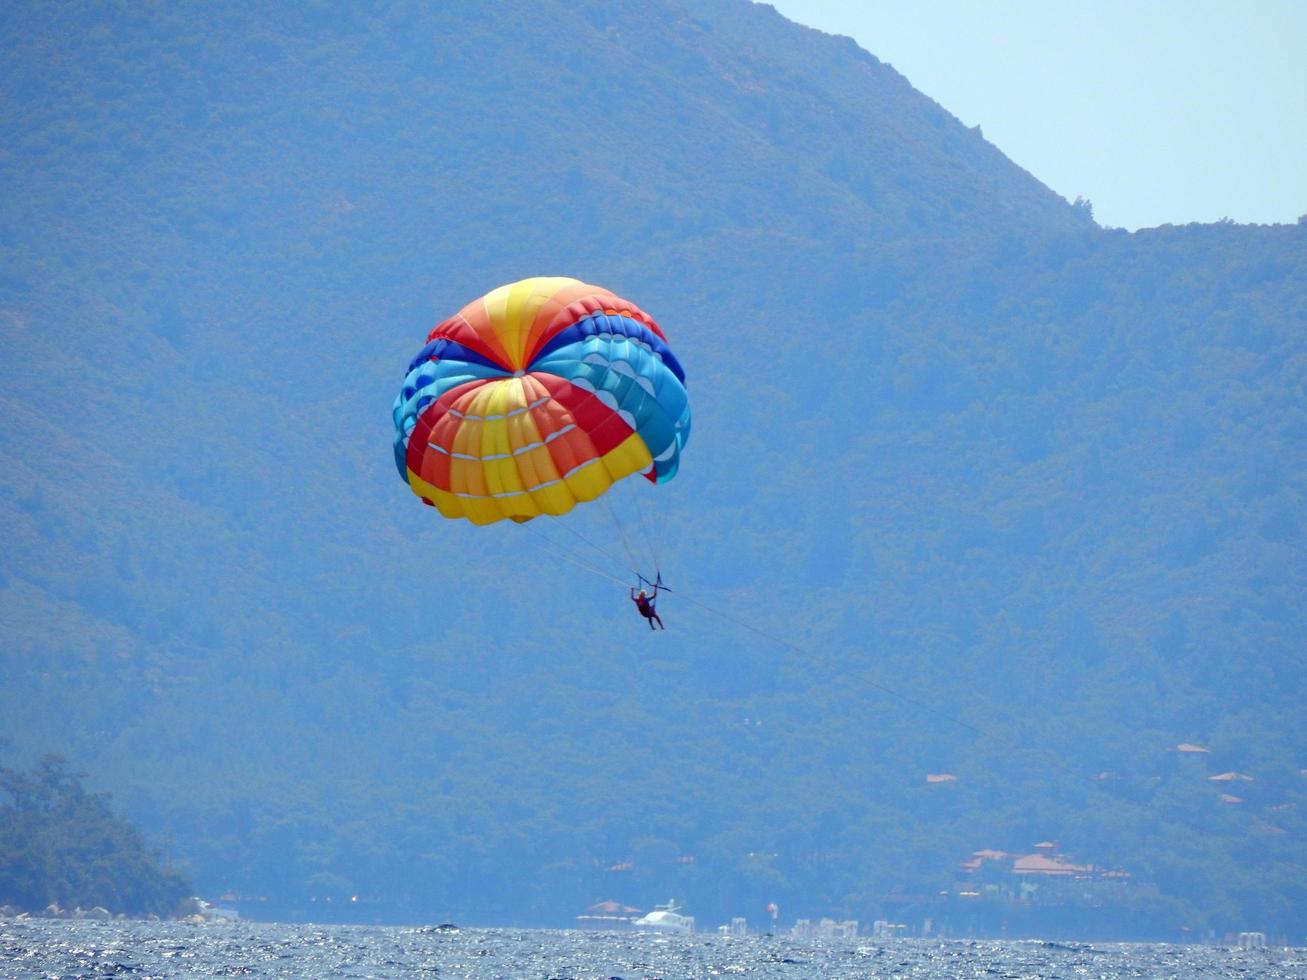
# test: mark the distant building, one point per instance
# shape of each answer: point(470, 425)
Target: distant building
point(607, 914)
point(1041, 864)
point(738, 927)
point(825, 929)
point(1018, 876)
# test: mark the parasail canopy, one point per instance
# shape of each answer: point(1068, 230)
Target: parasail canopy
point(536, 397)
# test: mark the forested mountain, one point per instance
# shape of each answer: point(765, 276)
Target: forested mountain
point(976, 487)
point(61, 846)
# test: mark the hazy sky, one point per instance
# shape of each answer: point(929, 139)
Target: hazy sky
point(1157, 111)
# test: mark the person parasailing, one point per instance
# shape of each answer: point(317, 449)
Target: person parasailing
point(644, 603)
point(546, 377)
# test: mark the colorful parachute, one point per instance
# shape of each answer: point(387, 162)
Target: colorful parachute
point(538, 396)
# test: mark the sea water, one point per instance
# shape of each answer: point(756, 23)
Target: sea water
point(39, 948)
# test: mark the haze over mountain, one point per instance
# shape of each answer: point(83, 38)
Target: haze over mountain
point(976, 487)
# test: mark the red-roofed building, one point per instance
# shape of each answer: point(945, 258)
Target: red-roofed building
point(1044, 862)
point(980, 857)
point(1041, 864)
point(1044, 878)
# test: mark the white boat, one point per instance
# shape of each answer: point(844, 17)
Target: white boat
point(665, 919)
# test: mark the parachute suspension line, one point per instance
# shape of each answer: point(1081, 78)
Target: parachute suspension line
point(1053, 761)
point(650, 539)
point(632, 564)
point(567, 555)
point(608, 555)
point(899, 695)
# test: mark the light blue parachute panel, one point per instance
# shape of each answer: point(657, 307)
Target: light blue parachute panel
point(631, 370)
point(440, 366)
